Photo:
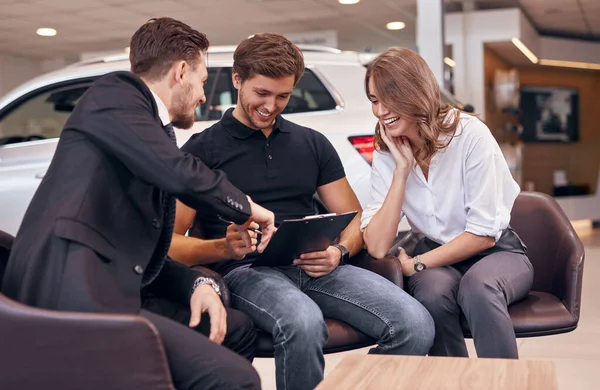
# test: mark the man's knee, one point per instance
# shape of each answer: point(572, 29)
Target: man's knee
point(245, 378)
point(304, 325)
point(240, 326)
point(241, 334)
point(239, 375)
point(416, 327)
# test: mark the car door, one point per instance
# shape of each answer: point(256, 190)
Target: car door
point(29, 130)
point(31, 124)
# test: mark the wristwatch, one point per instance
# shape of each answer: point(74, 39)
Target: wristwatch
point(204, 280)
point(418, 265)
point(345, 254)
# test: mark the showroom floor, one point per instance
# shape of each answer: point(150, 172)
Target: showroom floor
point(576, 355)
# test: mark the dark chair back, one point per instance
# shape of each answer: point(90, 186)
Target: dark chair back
point(553, 246)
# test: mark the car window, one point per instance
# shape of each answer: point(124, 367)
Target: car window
point(42, 115)
point(219, 93)
point(310, 95)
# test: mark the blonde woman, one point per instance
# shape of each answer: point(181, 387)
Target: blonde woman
point(444, 171)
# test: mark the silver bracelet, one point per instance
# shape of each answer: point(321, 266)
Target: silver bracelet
point(204, 280)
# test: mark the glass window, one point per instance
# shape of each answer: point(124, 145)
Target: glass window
point(219, 93)
point(310, 95)
point(41, 116)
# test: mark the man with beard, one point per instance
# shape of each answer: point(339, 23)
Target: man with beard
point(96, 234)
point(281, 165)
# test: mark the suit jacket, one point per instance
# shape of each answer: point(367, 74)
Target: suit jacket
point(96, 219)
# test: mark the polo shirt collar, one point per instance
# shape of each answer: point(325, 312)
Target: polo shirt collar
point(237, 129)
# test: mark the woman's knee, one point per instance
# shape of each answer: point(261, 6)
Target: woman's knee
point(438, 300)
point(477, 291)
point(436, 289)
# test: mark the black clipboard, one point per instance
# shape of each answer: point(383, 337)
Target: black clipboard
point(297, 236)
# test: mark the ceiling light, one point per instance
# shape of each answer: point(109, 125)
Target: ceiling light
point(348, 1)
point(46, 32)
point(450, 62)
point(525, 50)
point(395, 25)
point(570, 64)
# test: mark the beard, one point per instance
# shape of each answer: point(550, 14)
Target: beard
point(183, 110)
point(248, 114)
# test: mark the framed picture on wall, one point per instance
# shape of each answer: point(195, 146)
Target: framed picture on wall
point(549, 114)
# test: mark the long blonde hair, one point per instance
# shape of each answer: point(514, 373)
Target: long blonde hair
point(407, 87)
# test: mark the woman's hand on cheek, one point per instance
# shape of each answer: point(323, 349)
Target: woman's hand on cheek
point(401, 152)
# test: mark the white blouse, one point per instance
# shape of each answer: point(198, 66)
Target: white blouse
point(470, 188)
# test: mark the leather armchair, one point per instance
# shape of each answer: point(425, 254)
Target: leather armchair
point(66, 350)
point(557, 255)
point(342, 337)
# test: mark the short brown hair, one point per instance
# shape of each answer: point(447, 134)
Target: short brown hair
point(406, 86)
point(268, 54)
point(160, 42)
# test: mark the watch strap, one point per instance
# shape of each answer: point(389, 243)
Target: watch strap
point(345, 253)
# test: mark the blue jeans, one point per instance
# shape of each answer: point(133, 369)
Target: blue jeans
point(290, 305)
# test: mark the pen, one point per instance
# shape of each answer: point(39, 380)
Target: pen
point(250, 229)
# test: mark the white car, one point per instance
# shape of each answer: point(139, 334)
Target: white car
point(329, 98)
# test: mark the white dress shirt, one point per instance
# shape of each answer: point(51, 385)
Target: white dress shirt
point(469, 188)
point(163, 112)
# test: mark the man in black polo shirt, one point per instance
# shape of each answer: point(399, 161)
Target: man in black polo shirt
point(281, 165)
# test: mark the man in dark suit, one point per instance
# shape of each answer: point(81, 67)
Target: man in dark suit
point(96, 234)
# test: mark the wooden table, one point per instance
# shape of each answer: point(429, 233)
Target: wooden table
point(379, 372)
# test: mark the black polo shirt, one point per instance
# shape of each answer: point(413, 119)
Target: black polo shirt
point(280, 173)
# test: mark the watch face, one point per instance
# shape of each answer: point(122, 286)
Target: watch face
point(419, 267)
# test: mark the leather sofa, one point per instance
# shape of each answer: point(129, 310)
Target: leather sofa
point(552, 306)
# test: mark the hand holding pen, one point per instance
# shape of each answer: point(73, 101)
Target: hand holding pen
point(253, 227)
point(260, 217)
point(235, 246)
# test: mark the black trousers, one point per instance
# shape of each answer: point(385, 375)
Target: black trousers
point(195, 361)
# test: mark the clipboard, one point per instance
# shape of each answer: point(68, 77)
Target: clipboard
point(297, 236)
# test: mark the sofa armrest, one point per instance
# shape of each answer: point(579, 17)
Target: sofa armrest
point(66, 350)
point(407, 240)
point(388, 267)
point(220, 281)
